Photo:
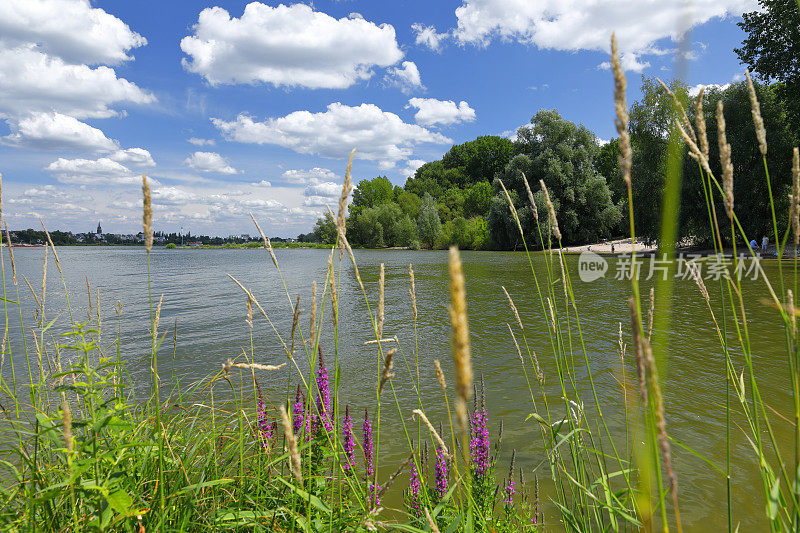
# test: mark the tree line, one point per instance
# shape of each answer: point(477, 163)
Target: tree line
point(458, 200)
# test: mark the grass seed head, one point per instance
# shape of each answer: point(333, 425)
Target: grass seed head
point(461, 347)
point(513, 308)
point(332, 284)
point(552, 210)
point(440, 374)
point(621, 108)
point(291, 444)
point(66, 421)
point(386, 373)
point(700, 122)
point(755, 109)
point(266, 241)
point(530, 196)
point(413, 291)
point(725, 160)
point(796, 194)
point(11, 250)
point(433, 431)
point(147, 215)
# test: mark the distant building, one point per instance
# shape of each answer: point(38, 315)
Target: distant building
point(99, 229)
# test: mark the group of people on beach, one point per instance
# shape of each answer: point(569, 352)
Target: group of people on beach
point(764, 244)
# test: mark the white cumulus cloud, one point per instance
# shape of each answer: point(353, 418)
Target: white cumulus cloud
point(578, 25)
point(310, 176)
point(71, 29)
point(695, 90)
point(34, 81)
point(137, 157)
point(103, 171)
point(377, 134)
point(428, 36)
point(173, 196)
point(287, 46)
point(54, 131)
point(329, 189)
point(209, 162)
point(201, 142)
point(406, 77)
point(432, 111)
point(411, 166)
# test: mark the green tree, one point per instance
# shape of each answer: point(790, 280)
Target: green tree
point(451, 204)
point(607, 165)
point(388, 215)
point(562, 154)
point(751, 197)
point(478, 199)
point(408, 202)
point(427, 180)
point(370, 193)
point(366, 229)
point(651, 120)
point(428, 224)
point(405, 231)
point(650, 124)
point(325, 229)
point(462, 166)
point(772, 50)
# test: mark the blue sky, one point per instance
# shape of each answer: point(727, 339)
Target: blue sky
point(232, 107)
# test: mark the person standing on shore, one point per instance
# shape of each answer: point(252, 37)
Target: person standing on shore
point(764, 243)
point(753, 245)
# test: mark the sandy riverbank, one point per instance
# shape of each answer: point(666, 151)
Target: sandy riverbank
point(619, 246)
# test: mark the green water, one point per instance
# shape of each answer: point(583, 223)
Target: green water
point(210, 312)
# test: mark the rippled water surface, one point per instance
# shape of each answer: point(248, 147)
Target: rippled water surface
point(209, 310)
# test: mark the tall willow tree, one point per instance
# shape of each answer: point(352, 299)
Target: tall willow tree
point(563, 155)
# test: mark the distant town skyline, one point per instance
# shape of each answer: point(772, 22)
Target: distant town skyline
point(253, 107)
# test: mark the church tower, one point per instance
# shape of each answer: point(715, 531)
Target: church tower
point(99, 229)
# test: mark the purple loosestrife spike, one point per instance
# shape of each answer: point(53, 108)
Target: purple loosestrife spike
point(374, 499)
point(415, 486)
point(509, 489)
point(312, 425)
point(264, 429)
point(369, 449)
point(349, 441)
point(480, 445)
point(324, 401)
point(298, 410)
point(441, 473)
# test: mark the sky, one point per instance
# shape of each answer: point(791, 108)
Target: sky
point(232, 107)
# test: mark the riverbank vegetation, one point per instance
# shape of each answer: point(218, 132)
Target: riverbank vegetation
point(457, 201)
point(86, 450)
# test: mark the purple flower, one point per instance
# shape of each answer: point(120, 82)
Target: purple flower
point(479, 445)
point(298, 410)
point(374, 499)
point(349, 441)
point(369, 449)
point(312, 424)
point(441, 473)
point(264, 428)
point(415, 486)
point(509, 489)
point(324, 400)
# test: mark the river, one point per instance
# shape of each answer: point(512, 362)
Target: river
point(209, 311)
